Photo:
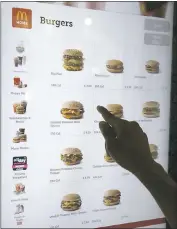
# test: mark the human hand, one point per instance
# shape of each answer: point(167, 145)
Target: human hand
point(125, 142)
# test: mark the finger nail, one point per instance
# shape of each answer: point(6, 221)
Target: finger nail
point(98, 107)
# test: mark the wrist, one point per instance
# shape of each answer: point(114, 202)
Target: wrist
point(147, 172)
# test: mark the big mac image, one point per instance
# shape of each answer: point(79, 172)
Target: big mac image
point(112, 197)
point(151, 109)
point(73, 60)
point(71, 156)
point(71, 202)
point(72, 110)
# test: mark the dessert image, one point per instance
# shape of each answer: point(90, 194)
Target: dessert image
point(20, 136)
point(115, 109)
point(153, 150)
point(111, 197)
point(114, 66)
point(71, 156)
point(20, 47)
point(153, 9)
point(152, 66)
point(71, 202)
point(108, 158)
point(19, 209)
point(19, 61)
point(20, 108)
point(72, 110)
point(19, 188)
point(151, 109)
point(18, 83)
point(73, 60)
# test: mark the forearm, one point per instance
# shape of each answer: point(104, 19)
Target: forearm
point(164, 191)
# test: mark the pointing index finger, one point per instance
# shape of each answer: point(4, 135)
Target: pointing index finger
point(108, 117)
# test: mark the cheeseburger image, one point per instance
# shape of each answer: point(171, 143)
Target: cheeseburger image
point(108, 158)
point(152, 66)
point(72, 110)
point(154, 151)
point(71, 156)
point(71, 202)
point(112, 197)
point(114, 66)
point(115, 109)
point(151, 109)
point(73, 60)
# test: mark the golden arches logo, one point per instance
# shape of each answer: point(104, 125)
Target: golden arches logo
point(22, 16)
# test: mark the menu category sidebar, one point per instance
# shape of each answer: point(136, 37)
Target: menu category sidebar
point(16, 120)
point(20, 148)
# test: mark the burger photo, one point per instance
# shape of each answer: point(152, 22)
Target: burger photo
point(108, 158)
point(111, 197)
point(154, 150)
point(73, 60)
point(71, 202)
point(72, 110)
point(114, 66)
point(71, 156)
point(151, 109)
point(152, 66)
point(115, 109)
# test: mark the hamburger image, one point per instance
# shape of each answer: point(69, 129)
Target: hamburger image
point(114, 66)
point(71, 202)
point(108, 158)
point(115, 109)
point(112, 197)
point(153, 150)
point(72, 110)
point(16, 139)
point(151, 109)
point(71, 156)
point(73, 60)
point(152, 66)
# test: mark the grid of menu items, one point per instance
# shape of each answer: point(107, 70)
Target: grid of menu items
point(58, 64)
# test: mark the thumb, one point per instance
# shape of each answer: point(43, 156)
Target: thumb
point(111, 146)
point(109, 136)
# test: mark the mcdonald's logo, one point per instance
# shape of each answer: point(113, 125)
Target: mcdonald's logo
point(22, 18)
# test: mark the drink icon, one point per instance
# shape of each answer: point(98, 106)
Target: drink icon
point(18, 83)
